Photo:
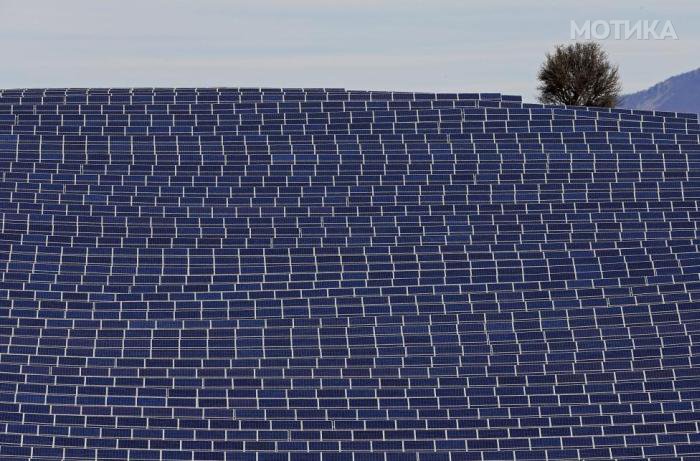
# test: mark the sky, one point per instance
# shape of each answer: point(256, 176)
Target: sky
point(414, 45)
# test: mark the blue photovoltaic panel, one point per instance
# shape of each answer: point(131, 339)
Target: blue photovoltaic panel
point(320, 274)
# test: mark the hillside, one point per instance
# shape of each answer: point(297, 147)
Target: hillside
point(680, 93)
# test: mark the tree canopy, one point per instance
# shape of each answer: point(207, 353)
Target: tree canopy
point(579, 74)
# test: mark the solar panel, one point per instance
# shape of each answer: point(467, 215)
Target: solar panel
point(323, 274)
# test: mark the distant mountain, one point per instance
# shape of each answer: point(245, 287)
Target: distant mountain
point(680, 93)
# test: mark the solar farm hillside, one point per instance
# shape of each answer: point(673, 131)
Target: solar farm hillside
point(333, 275)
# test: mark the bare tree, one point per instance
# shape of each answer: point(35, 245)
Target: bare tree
point(579, 75)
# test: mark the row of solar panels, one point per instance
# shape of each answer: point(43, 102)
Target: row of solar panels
point(668, 308)
point(454, 187)
point(245, 196)
point(506, 337)
point(303, 124)
point(570, 298)
point(292, 161)
point(328, 179)
point(230, 90)
point(341, 207)
point(481, 273)
point(303, 374)
point(37, 232)
point(414, 141)
point(151, 239)
point(495, 107)
point(20, 184)
point(580, 313)
point(324, 290)
point(283, 302)
point(227, 151)
point(488, 283)
point(29, 225)
point(655, 333)
point(233, 96)
point(221, 239)
point(664, 338)
point(47, 243)
point(569, 186)
point(462, 151)
point(341, 118)
point(306, 388)
point(601, 222)
point(348, 129)
point(130, 180)
point(325, 106)
point(349, 116)
point(517, 329)
point(415, 128)
point(210, 90)
point(563, 258)
point(590, 315)
point(119, 169)
point(345, 405)
point(336, 158)
point(259, 108)
point(362, 224)
point(321, 298)
point(620, 444)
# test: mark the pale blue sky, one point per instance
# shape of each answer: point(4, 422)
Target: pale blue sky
point(430, 45)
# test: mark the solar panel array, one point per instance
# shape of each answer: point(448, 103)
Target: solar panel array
point(331, 275)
